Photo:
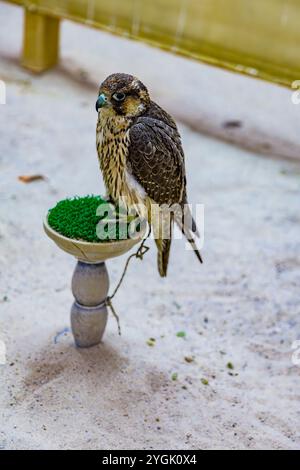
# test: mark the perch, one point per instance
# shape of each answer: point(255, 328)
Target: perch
point(90, 282)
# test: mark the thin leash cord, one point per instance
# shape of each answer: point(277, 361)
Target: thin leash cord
point(140, 253)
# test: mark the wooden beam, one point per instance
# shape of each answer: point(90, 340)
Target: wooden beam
point(40, 41)
point(259, 38)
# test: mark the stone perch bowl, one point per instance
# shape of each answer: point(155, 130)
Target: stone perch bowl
point(90, 252)
point(90, 283)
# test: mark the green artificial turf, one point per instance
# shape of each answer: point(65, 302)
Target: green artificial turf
point(76, 218)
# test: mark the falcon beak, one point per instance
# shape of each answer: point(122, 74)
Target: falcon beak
point(101, 101)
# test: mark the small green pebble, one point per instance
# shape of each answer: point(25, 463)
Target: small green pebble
point(204, 381)
point(181, 334)
point(151, 342)
point(174, 376)
point(230, 366)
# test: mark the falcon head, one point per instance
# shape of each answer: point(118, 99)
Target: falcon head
point(122, 95)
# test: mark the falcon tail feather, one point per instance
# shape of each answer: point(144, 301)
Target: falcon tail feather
point(163, 254)
point(189, 229)
point(195, 248)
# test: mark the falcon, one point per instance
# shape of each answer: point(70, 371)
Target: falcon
point(142, 160)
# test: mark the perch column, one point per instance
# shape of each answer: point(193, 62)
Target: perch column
point(90, 286)
point(40, 42)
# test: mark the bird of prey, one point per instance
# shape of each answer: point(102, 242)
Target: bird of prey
point(142, 160)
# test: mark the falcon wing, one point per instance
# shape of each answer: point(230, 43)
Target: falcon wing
point(156, 160)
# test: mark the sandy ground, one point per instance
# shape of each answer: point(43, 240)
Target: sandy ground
point(242, 306)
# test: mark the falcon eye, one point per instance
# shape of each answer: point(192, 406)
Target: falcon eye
point(119, 96)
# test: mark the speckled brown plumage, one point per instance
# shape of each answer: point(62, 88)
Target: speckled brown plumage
point(156, 156)
point(141, 155)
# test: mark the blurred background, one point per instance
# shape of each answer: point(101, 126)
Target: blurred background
point(225, 70)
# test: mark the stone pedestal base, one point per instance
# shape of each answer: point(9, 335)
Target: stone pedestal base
point(90, 285)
